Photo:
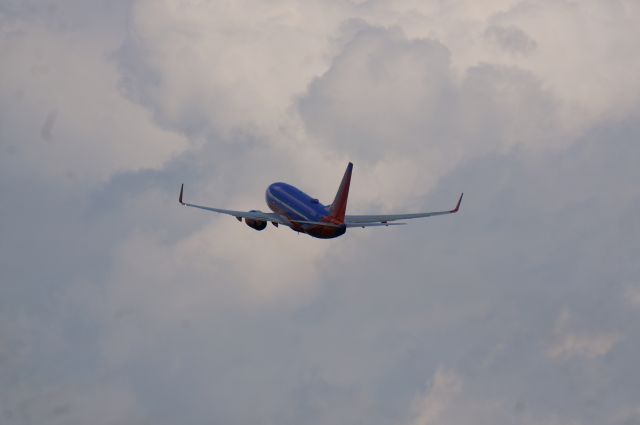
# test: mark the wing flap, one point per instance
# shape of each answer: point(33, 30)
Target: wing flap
point(363, 225)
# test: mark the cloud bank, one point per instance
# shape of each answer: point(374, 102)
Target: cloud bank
point(117, 306)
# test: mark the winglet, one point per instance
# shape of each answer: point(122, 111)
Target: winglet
point(180, 198)
point(455, 210)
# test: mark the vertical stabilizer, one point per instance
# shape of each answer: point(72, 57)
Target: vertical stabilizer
point(339, 207)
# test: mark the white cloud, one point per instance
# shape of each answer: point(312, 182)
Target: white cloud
point(445, 388)
point(447, 402)
point(577, 42)
point(64, 116)
point(530, 107)
point(589, 346)
point(212, 68)
point(570, 344)
point(397, 107)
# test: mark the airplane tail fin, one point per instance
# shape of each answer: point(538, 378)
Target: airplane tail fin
point(338, 208)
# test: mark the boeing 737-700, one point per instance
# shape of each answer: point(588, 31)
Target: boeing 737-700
point(295, 209)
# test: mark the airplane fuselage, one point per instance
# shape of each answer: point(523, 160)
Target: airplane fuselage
point(294, 204)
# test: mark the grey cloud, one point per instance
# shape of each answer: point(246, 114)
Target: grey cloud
point(46, 131)
point(504, 107)
point(68, 15)
point(511, 39)
point(381, 91)
point(486, 297)
point(484, 301)
point(385, 96)
point(118, 306)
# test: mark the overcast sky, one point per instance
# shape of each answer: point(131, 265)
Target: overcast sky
point(117, 306)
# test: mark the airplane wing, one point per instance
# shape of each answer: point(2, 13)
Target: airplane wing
point(254, 215)
point(384, 219)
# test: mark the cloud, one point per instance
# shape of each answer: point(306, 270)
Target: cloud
point(104, 404)
point(391, 103)
point(589, 345)
point(445, 387)
point(572, 38)
point(118, 304)
point(98, 132)
point(238, 67)
point(367, 101)
point(632, 295)
point(511, 39)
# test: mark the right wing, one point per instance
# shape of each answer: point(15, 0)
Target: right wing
point(384, 219)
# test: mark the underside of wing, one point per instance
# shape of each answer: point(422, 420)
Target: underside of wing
point(252, 215)
point(384, 219)
point(376, 224)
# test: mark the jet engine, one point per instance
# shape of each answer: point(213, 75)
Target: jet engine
point(255, 224)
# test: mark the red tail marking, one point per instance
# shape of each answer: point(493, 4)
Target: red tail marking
point(339, 207)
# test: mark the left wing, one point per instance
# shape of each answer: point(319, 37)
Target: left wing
point(383, 220)
point(254, 215)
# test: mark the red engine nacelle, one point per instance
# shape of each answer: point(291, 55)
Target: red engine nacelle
point(255, 224)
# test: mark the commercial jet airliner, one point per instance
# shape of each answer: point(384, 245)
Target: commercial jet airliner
point(295, 209)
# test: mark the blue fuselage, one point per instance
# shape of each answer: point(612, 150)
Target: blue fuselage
point(297, 206)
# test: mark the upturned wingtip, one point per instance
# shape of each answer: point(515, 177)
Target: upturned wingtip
point(455, 210)
point(180, 197)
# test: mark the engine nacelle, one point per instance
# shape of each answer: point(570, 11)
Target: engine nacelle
point(255, 224)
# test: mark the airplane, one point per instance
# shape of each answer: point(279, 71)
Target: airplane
point(295, 209)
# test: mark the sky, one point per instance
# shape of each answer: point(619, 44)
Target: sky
point(118, 306)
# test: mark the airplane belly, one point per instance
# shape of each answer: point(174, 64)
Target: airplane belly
point(326, 232)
